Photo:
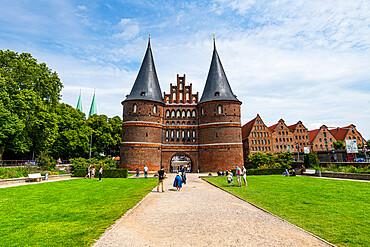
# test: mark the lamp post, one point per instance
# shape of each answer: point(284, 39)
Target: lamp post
point(90, 144)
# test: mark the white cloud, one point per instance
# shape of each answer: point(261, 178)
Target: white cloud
point(129, 29)
point(81, 7)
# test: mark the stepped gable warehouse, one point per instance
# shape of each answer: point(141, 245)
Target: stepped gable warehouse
point(204, 134)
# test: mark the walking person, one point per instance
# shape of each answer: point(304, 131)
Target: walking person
point(100, 172)
point(238, 176)
point(178, 182)
point(88, 169)
point(146, 171)
point(137, 172)
point(161, 177)
point(245, 176)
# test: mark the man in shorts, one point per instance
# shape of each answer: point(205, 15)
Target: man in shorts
point(161, 177)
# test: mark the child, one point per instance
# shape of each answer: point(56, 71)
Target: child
point(231, 174)
point(229, 177)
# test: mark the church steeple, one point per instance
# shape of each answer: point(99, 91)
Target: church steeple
point(93, 107)
point(217, 86)
point(146, 86)
point(79, 103)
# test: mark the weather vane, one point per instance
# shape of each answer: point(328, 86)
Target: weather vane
point(213, 35)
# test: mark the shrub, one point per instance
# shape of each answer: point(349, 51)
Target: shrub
point(271, 171)
point(311, 160)
point(82, 163)
point(45, 162)
point(109, 173)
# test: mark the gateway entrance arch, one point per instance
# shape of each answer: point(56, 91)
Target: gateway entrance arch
point(180, 160)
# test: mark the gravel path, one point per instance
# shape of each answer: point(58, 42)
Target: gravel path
point(201, 215)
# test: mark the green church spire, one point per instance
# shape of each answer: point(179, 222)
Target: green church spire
point(93, 107)
point(79, 103)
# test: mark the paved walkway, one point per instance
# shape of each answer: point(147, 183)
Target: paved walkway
point(28, 183)
point(201, 215)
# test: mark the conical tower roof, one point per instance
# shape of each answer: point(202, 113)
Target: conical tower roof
point(79, 103)
point(146, 86)
point(217, 86)
point(93, 107)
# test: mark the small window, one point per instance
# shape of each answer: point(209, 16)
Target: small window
point(193, 133)
point(178, 114)
point(219, 109)
point(174, 97)
point(155, 109)
point(134, 110)
point(142, 93)
point(172, 133)
point(172, 113)
point(188, 114)
point(167, 133)
point(202, 111)
point(183, 114)
point(194, 113)
point(177, 134)
point(217, 94)
point(168, 113)
point(187, 97)
point(188, 133)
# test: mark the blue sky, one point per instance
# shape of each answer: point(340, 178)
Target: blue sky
point(295, 60)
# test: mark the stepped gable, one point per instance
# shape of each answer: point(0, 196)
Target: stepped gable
point(146, 86)
point(340, 133)
point(247, 128)
point(217, 86)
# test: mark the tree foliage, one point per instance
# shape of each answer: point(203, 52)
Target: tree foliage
point(339, 145)
point(261, 160)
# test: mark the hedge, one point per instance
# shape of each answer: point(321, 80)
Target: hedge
point(263, 171)
point(108, 173)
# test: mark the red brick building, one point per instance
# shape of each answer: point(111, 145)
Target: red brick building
point(257, 137)
point(301, 136)
point(348, 133)
point(321, 139)
point(177, 128)
point(282, 137)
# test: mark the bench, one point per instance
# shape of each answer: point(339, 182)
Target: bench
point(309, 172)
point(34, 177)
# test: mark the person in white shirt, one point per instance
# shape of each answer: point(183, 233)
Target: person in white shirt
point(245, 176)
point(146, 171)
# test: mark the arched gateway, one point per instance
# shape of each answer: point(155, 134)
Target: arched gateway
point(181, 160)
point(156, 128)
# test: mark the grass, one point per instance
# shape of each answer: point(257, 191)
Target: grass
point(66, 213)
point(335, 210)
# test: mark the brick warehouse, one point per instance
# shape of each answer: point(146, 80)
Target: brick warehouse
point(157, 130)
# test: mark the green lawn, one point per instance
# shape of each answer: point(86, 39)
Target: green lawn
point(66, 213)
point(335, 210)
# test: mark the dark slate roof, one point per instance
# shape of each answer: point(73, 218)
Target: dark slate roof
point(217, 86)
point(146, 86)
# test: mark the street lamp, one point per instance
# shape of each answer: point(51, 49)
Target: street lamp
point(90, 144)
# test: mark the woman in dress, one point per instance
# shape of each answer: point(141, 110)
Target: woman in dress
point(178, 182)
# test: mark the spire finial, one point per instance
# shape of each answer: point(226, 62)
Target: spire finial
point(149, 40)
point(214, 41)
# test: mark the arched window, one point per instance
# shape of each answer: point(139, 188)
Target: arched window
point(167, 133)
point(183, 114)
point(168, 113)
point(172, 113)
point(194, 113)
point(155, 109)
point(187, 96)
point(178, 114)
point(180, 86)
point(177, 134)
point(189, 113)
point(180, 97)
point(134, 110)
point(174, 97)
point(193, 133)
point(202, 111)
point(183, 134)
point(172, 133)
point(188, 133)
point(219, 109)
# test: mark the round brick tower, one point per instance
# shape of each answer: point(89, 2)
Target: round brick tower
point(143, 120)
point(220, 135)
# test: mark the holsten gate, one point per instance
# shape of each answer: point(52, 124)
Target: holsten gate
point(170, 128)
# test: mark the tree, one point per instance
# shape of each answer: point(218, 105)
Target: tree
point(339, 145)
point(116, 125)
point(285, 159)
point(10, 125)
point(368, 144)
point(73, 134)
point(34, 91)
